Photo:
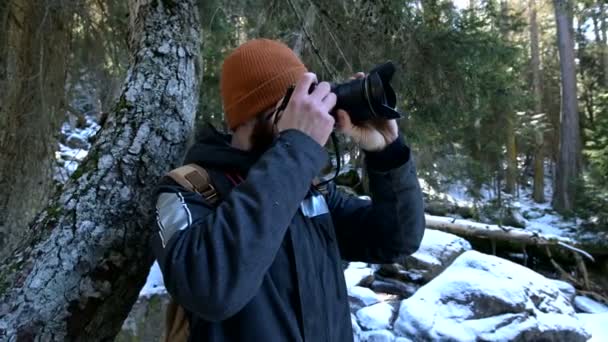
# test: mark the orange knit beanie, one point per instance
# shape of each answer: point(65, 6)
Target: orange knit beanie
point(255, 76)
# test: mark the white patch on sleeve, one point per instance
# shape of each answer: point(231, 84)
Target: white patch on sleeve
point(314, 206)
point(172, 215)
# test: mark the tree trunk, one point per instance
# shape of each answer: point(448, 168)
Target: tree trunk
point(511, 179)
point(37, 38)
point(511, 174)
point(539, 157)
point(86, 258)
point(569, 158)
point(604, 46)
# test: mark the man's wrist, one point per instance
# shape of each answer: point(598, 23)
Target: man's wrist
point(391, 156)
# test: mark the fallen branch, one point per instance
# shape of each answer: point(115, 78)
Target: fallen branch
point(501, 233)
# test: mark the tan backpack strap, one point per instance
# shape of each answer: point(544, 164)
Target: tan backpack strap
point(177, 326)
point(195, 178)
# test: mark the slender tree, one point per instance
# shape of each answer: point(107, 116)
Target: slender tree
point(80, 270)
point(508, 115)
point(539, 157)
point(569, 157)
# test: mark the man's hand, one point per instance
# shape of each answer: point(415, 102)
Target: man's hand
point(309, 113)
point(372, 135)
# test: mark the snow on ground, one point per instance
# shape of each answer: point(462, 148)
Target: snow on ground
point(154, 282)
point(538, 217)
point(596, 325)
point(76, 147)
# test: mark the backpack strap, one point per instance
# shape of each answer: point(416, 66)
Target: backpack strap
point(195, 178)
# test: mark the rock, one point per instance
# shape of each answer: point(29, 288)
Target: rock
point(356, 328)
point(353, 276)
point(357, 264)
point(377, 336)
point(595, 324)
point(365, 295)
point(77, 142)
point(146, 321)
point(588, 305)
point(566, 288)
point(394, 286)
point(483, 297)
point(437, 251)
point(397, 271)
point(375, 317)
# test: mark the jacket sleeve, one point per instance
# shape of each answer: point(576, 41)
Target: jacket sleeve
point(392, 224)
point(215, 261)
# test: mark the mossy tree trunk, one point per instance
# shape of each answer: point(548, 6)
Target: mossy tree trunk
point(86, 257)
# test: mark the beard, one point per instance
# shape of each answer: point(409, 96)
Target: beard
point(262, 136)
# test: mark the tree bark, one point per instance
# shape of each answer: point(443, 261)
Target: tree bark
point(569, 157)
point(508, 115)
point(37, 38)
point(604, 46)
point(86, 257)
point(539, 158)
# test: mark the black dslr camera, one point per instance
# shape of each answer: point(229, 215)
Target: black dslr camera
point(366, 98)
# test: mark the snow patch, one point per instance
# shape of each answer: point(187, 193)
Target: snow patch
point(154, 283)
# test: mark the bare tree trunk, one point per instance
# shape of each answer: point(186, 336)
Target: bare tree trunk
point(37, 37)
point(511, 174)
point(78, 274)
point(604, 45)
point(539, 157)
point(569, 158)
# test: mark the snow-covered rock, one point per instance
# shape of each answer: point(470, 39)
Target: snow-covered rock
point(356, 328)
point(354, 275)
point(376, 317)
point(437, 251)
point(566, 288)
point(588, 305)
point(483, 297)
point(596, 325)
point(377, 336)
point(363, 294)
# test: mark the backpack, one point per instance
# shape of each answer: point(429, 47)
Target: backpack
point(196, 179)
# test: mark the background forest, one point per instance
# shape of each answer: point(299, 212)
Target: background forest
point(506, 102)
point(480, 82)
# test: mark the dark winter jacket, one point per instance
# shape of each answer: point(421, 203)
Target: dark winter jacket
point(265, 265)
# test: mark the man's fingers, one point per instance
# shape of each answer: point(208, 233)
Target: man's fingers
point(329, 101)
point(321, 91)
point(343, 122)
point(358, 75)
point(303, 84)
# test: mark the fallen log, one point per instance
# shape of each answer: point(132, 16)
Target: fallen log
point(466, 228)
